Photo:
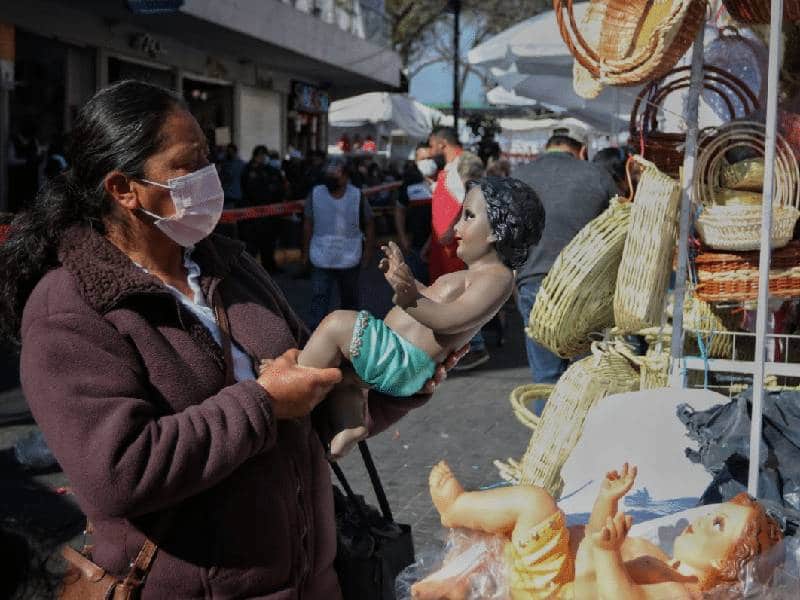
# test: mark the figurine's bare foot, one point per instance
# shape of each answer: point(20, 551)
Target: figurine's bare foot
point(343, 442)
point(433, 588)
point(445, 488)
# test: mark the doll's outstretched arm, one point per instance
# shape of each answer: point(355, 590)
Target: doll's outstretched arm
point(615, 486)
point(395, 268)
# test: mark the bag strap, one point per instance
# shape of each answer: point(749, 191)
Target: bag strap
point(225, 334)
point(376, 485)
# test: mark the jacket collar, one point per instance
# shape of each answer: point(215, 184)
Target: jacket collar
point(106, 275)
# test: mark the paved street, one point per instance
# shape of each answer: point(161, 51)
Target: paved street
point(468, 422)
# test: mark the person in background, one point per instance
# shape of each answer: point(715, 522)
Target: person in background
point(56, 161)
point(261, 184)
point(339, 237)
point(448, 196)
point(343, 143)
point(25, 156)
point(412, 212)
point(470, 167)
point(231, 169)
point(369, 145)
point(500, 167)
point(573, 192)
point(357, 143)
point(613, 160)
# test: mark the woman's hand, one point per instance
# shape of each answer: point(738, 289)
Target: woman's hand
point(442, 369)
point(616, 485)
point(613, 534)
point(295, 390)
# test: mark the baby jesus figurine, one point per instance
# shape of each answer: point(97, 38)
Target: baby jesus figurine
point(501, 218)
point(546, 559)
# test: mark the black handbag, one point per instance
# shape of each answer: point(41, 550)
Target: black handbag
point(371, 549)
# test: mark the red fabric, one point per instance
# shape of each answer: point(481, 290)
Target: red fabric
point(445, 206)
point(443, 260)
point(369, 146)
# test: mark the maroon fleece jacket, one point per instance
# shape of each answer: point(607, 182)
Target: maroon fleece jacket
point(128, 388)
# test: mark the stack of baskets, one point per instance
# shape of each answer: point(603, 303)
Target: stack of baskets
point(575, 298)
point(556, 432)
point(646, 263)
point(665, 149)
point(724, 225)
point(638, 40)
point(725, 277)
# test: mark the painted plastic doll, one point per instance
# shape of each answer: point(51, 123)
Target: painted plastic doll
point(501, 219)
point(543, 558)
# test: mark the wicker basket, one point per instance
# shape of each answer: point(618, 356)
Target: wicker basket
point(734, 277)
point(575, 298)
point(739, 227)
point(758, 11)
point(556, 432)
point(665, 149)
point(647, 258)
point(639, 39)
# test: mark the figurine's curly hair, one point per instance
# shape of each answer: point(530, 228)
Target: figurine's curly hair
point(516, 216)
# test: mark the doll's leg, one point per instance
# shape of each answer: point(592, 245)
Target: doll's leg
point(330, 340)
point(496, 511)
point(347, 404)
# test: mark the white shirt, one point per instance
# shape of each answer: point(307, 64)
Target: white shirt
point(242, 365)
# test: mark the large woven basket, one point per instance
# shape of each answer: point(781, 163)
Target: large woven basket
point(647, 258)
point(638, 40)
point(556, 432)
point(739, 227)
point(724, 277)
point(576, 297)
point(665, 149)
point(758, 11)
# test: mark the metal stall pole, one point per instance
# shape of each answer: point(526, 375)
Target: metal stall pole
point(689, 161)
point(776, 24)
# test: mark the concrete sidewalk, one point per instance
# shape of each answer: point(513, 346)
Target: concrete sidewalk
point(468, 422)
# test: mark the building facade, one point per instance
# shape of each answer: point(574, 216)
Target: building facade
point(252, 71)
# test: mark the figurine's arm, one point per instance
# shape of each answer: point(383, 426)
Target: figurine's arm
point(615, 486)
point(468, 311)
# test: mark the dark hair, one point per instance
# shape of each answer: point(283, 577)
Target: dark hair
point(232, 147)
point(612, 160)
point(516, 216)
point(448, 134)
point(260, 149)
point(564, 140)
point(118, 129)
point(422, 145)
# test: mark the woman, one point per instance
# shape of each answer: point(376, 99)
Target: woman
point(164, 428)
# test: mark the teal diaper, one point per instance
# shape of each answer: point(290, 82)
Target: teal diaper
point(386, 361)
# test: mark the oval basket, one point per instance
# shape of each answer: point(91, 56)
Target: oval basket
point(638, 40)
point(576, 297)
point(738, 227)
point(646, 263)
point(665, 149)
point(556, 432)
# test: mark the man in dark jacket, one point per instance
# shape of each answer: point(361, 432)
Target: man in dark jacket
point(573, 193)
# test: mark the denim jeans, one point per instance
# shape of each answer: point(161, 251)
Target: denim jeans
point(322, 282)
point(546, 367)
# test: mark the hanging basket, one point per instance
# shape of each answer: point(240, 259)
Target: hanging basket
point(556, 432)
point(758, 11)
point(576, 297)
point(726, 277)
point(738, 227)
point(638, 39)
point(665, 149)
point(646, 263)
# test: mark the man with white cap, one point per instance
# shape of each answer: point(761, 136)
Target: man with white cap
point(573, 192)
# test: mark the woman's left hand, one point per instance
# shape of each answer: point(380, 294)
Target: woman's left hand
point(442, 369)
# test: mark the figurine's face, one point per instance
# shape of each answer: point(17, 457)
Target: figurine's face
point(710, 539)
point(473, 232)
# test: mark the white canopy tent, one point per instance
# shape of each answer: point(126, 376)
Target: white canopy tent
point(388, 112)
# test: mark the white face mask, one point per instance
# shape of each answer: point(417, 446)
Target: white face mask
point(198, 200)
point(427, 167)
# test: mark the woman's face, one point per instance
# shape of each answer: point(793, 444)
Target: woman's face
point(184, 149)
point(711, 538)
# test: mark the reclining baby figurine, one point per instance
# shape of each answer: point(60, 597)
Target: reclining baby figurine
point(501, 218)
point(543, 558)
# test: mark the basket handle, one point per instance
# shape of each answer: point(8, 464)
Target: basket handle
point(629, 176)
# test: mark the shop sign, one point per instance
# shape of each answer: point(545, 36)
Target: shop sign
point(309, 99)
point(153, 7)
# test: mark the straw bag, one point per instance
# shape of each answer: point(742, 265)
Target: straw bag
point(738, 227)
point(665, 149)
point(758, 11)
point(575, 298)
point(647, 258)
point(556, 432)
point(638, 39)
point(725, 277)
